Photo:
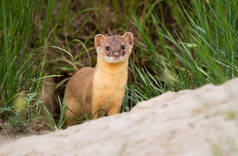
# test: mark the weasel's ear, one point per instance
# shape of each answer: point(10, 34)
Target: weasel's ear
point(98, 40)
point(128, 37)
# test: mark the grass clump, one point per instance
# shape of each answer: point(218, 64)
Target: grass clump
point(22, 61)
point(199, 49)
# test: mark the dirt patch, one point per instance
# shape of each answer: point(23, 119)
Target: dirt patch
point(4, 139)
point(7, 136)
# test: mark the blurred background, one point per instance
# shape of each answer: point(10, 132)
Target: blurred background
point(179, 44)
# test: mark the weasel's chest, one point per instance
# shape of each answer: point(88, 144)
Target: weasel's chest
point(109, 87)
point(109, 82)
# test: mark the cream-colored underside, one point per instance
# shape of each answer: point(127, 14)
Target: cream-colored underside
point(111, 59)
point(109, 84)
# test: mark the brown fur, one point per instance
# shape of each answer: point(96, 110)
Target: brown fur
point(100, 91)
point(78, 94)
point(47, 94)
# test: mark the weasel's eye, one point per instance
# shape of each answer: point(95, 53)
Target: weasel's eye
point(107, 47)
point(122, 47)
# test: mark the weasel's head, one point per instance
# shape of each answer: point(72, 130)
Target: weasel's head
point(114, 49)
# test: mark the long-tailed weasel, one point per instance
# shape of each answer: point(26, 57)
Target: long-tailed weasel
point(100, 90)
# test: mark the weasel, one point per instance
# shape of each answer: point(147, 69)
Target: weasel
point(99, 91)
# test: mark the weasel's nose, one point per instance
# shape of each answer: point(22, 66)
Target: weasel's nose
point(116, 54)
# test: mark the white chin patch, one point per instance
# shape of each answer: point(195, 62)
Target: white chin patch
point(111, 59)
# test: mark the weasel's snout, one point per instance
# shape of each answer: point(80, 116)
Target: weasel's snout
point(117, 54)
point(114, 56)
point(114, 53)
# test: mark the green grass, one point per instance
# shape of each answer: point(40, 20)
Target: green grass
point(49, 119)
point(179, 44)
point(201, 49)
point(22, 32)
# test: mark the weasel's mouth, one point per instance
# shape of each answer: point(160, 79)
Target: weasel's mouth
point(115, 54)
point(114, 59)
